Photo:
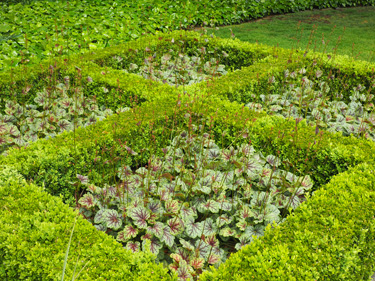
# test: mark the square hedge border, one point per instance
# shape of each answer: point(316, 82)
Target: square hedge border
point(338, 154)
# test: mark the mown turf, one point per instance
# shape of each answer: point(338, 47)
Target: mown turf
point(349, 30)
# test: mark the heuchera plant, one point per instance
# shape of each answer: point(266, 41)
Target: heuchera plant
point(53, 112)
point(180, 69)
point(313, 101)
point(196, 204)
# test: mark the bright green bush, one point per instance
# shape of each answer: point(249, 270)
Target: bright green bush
point(56, 168)
point(331, 237)
point(34, 235)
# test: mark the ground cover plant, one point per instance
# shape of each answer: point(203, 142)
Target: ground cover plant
point(196, 203)
point(50, 28)
point(313, 101)
point(66, 105)
point(188, 174)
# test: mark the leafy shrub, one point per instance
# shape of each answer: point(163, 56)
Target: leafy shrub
point(34, 233)
point(197, 203)
point(182, 70)
point(62, 109)
point(314, 101)
point(329, 237)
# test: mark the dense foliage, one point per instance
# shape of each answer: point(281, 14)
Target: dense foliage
point(194, 202)
point(181, 70)
point(314, 101)
point(53, 112)
point(48, 28)
point(197, 203)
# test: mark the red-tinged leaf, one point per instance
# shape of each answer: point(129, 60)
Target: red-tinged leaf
point(121, 237)
point(222, 220)
point(245, 213)
point(167, 176)
point(227, 232)
point(167, 236)
point(147, 236)
point(176, 257)
point(172, 206)
point(3, 140)
point(130, 231)
point(187, 214)
point(241, 225)
point(112, 219)
point(266, 172)
point(154, 207)
point(183, 271)
point(252, 167)
point(185, 254)
point(157, 229)
point(212, 241)
point(197, 263)
point(202, 248)
point(173, 267)
point(212, 206)
point(83, 179)
point(307, 183)
point(154, 246)
point(140, 215)
point(175, 225)
point(209, 227)
point(13, 130)
point(213, 259)
point(133, 246)
point(3, 128)
point(99, 216)
point(87, 201)
point(64, 125)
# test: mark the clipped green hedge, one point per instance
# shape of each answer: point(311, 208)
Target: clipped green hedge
point(254, 65)
point(329, 237)
point(121, 86)
point(341, 74)
point(331, 155)
point(34, 234)
point(54, 163)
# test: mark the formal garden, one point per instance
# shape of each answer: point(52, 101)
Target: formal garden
point(187, 140)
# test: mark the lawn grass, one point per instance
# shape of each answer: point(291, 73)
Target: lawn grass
point(308, 29)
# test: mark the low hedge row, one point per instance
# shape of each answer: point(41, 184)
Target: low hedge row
point(255, 64)
point(330, 237)
point(341, 74)
point(34, 234)
point(24, 82)
point(98, 149)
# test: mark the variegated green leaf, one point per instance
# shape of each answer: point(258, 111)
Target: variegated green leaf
point(172, 206)
point(140, 215)
point(176, 225)
point(112, 219)
point(194, 229)
point(133, 246)
point(209, 227)
point(156, 229)
point(87, 201)
point(167, 237)
point(186, 245)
